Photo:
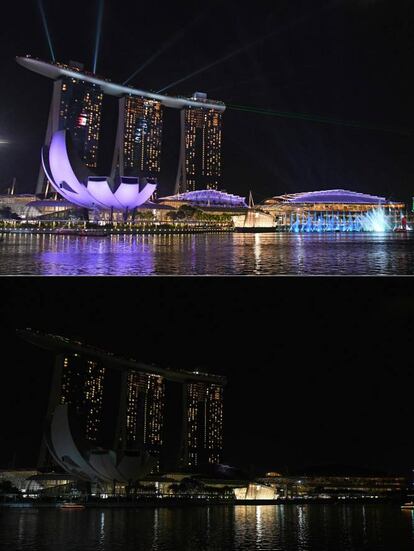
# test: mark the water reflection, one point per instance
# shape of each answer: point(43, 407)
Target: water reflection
point(215, 254)
point(268, 527)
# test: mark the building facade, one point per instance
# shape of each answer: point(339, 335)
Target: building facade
point(201, 148)
point(142, 136)
point(124, 407)
point(204, 424)
point(333, 210)
point(139, 138)
point(344, 485)
point(144, 422)
point(82, 386)
point(76, 107)
point(80, 114)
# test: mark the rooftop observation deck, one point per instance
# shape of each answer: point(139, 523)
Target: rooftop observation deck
point(55, 71)
point(59, 344)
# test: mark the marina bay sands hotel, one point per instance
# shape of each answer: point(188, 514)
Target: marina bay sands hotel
point(125, 407)
point(77, 107)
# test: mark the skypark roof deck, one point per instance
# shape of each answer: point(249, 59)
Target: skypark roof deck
point(58, 70)
point(58, 344)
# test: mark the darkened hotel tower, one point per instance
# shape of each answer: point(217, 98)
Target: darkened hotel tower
point(139, 136)
point(81, 386)
point(77, 107)
point(125, 406)
point(200, 153)
point(204, 423)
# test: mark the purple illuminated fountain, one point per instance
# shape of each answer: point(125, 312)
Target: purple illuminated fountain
point(93, 192)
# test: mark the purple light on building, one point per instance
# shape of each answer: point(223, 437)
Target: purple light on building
point(209, 197)
point(97, 193)
point(335, 196)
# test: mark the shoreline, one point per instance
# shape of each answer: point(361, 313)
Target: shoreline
point(195, 502)
point(83, 233)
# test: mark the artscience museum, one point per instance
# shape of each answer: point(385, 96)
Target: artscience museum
point(75, 182)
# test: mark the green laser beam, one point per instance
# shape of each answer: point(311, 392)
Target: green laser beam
point(318, 118)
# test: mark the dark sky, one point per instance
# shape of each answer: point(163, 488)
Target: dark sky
point(319, 369)
point(343, 59)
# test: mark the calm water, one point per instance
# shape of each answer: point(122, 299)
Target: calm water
point(211, 254)
point(268, 527)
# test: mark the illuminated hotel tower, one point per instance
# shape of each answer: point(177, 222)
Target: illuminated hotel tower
point(204, 424)
point(139, 136)
point(76, 107)
point(200, 151)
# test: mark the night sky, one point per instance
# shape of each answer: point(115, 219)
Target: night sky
point(319, 370)
point(348, 60)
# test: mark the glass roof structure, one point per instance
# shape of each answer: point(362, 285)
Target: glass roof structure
point(328, 196)
point(208, 197)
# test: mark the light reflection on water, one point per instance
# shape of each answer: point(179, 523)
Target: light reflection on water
point(208, 254)
point(267, 527)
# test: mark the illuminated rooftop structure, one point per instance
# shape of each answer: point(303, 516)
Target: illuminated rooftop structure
point(329, 196)
point(57, 343)
point(206, 198)
point(333, 210)
point(56, 71)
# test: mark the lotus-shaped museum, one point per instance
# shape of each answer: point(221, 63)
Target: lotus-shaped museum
point(73, 181)
point(79, 458)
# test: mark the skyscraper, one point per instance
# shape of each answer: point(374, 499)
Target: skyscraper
point(76, 107)
point(201, 143)
point(144, 413)
point(129, 407)
point(139, 137)
point(82, 384)
point(80, 114)
point(204, 424)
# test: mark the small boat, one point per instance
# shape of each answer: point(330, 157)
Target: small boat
point(408, 506)
point(403, 227)
point(71, 506)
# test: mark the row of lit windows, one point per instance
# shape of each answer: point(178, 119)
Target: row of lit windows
point(142, 140)
point(82, 387)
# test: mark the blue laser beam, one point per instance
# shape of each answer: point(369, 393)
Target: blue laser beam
point(246, 47)
point(101, 6)
point(165, 47)
point(217, 61)
point(46, 28)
